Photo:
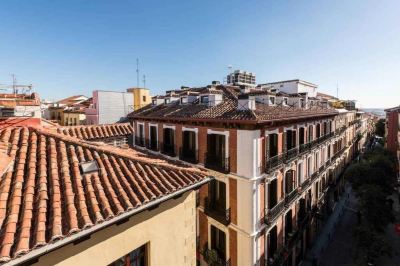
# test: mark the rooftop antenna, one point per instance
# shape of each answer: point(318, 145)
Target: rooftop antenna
point(144, 81)
point(14, 84)
point(337, 90)
point(137, 71)
point(230, 73)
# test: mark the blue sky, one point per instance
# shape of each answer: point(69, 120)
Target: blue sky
point(73, 47)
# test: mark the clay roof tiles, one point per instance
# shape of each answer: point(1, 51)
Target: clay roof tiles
point(45, 196)
point(93, 132)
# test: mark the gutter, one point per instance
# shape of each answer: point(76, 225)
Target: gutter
point(85, 233)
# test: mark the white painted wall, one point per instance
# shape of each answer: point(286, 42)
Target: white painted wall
point(248, 153)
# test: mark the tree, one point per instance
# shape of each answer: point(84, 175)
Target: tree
point(380, 128)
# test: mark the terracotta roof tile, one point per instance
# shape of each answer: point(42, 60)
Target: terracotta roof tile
point(45, 197)
point(96, 132)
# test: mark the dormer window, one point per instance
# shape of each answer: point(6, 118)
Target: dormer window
point(272, 100)
point(204, 99)
point(167, 100)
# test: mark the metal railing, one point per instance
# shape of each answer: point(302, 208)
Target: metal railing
point(290, 197)
point(214, 257)
point(274, 162)
point(140, 141)
point(189, 155)
point(216, 212)
point(216, 162)
point(273, 213)
point(168, 149)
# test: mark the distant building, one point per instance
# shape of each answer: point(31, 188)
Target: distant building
point(294, 86)
point(141, 97)
point(109, 107)
point(68, 111)
point(239, 77)
point(393, 131)
point(20, 105)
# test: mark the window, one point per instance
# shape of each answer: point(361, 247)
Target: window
point(144, 98)
point(154, 102)
point(285, 101)
point(272, 194)
point(167, 100)
point(272, 100)
point(217, 194)
point(204, 99)
point(273, 145)
point(134, 258)
point(218, 242)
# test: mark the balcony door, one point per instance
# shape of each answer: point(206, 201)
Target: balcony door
point(153, 138)
point(301, 136)
point(218, 242)
point(310, 133)
point(288, 224)
point(318, 133)
point(169, 141)
point(289, 181)
point(188, 152)
point(272, 145)
point(217, 195)
point(272, 242)
point(272, 194)
point(216, 153)
point(290, 139)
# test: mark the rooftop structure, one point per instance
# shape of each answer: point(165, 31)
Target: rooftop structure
point(393, 132)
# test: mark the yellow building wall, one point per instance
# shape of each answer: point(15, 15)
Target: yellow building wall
point(169, 231)
point(141, 97)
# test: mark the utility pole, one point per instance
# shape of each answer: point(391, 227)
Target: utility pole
point(144, 81)
point(137, 71)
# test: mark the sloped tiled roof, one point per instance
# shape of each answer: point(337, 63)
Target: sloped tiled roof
point(46, 198)
point(227, 109)
point(92, 132)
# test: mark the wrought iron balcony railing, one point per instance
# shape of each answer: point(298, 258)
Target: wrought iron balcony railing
point(218, 213)
point(140, 141)
point(214, 257)
point(274, 212)
point(217, 162)
point(273, 163)
point(188, 155)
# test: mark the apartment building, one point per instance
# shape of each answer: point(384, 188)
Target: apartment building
point(67, 199)
point(109, 107)
point(393, 132)
point(276, 159)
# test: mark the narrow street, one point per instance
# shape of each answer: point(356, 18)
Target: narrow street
point(342, 247)
point(335, 244)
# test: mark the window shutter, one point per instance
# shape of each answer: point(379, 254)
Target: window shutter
point(284, 142)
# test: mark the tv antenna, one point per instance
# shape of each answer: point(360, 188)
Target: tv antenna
point(137, 72)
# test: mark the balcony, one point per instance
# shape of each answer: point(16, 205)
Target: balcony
point(152, 145)
point(273, 213)
point(290, 197)
point(291, 154)
point(188, 155)
point(168, 149)
point(213, 257)
point(217, 163)
point(273, 163)
point(217, 212)
point(321, 168)
point(305, 184)
point(139, 141)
